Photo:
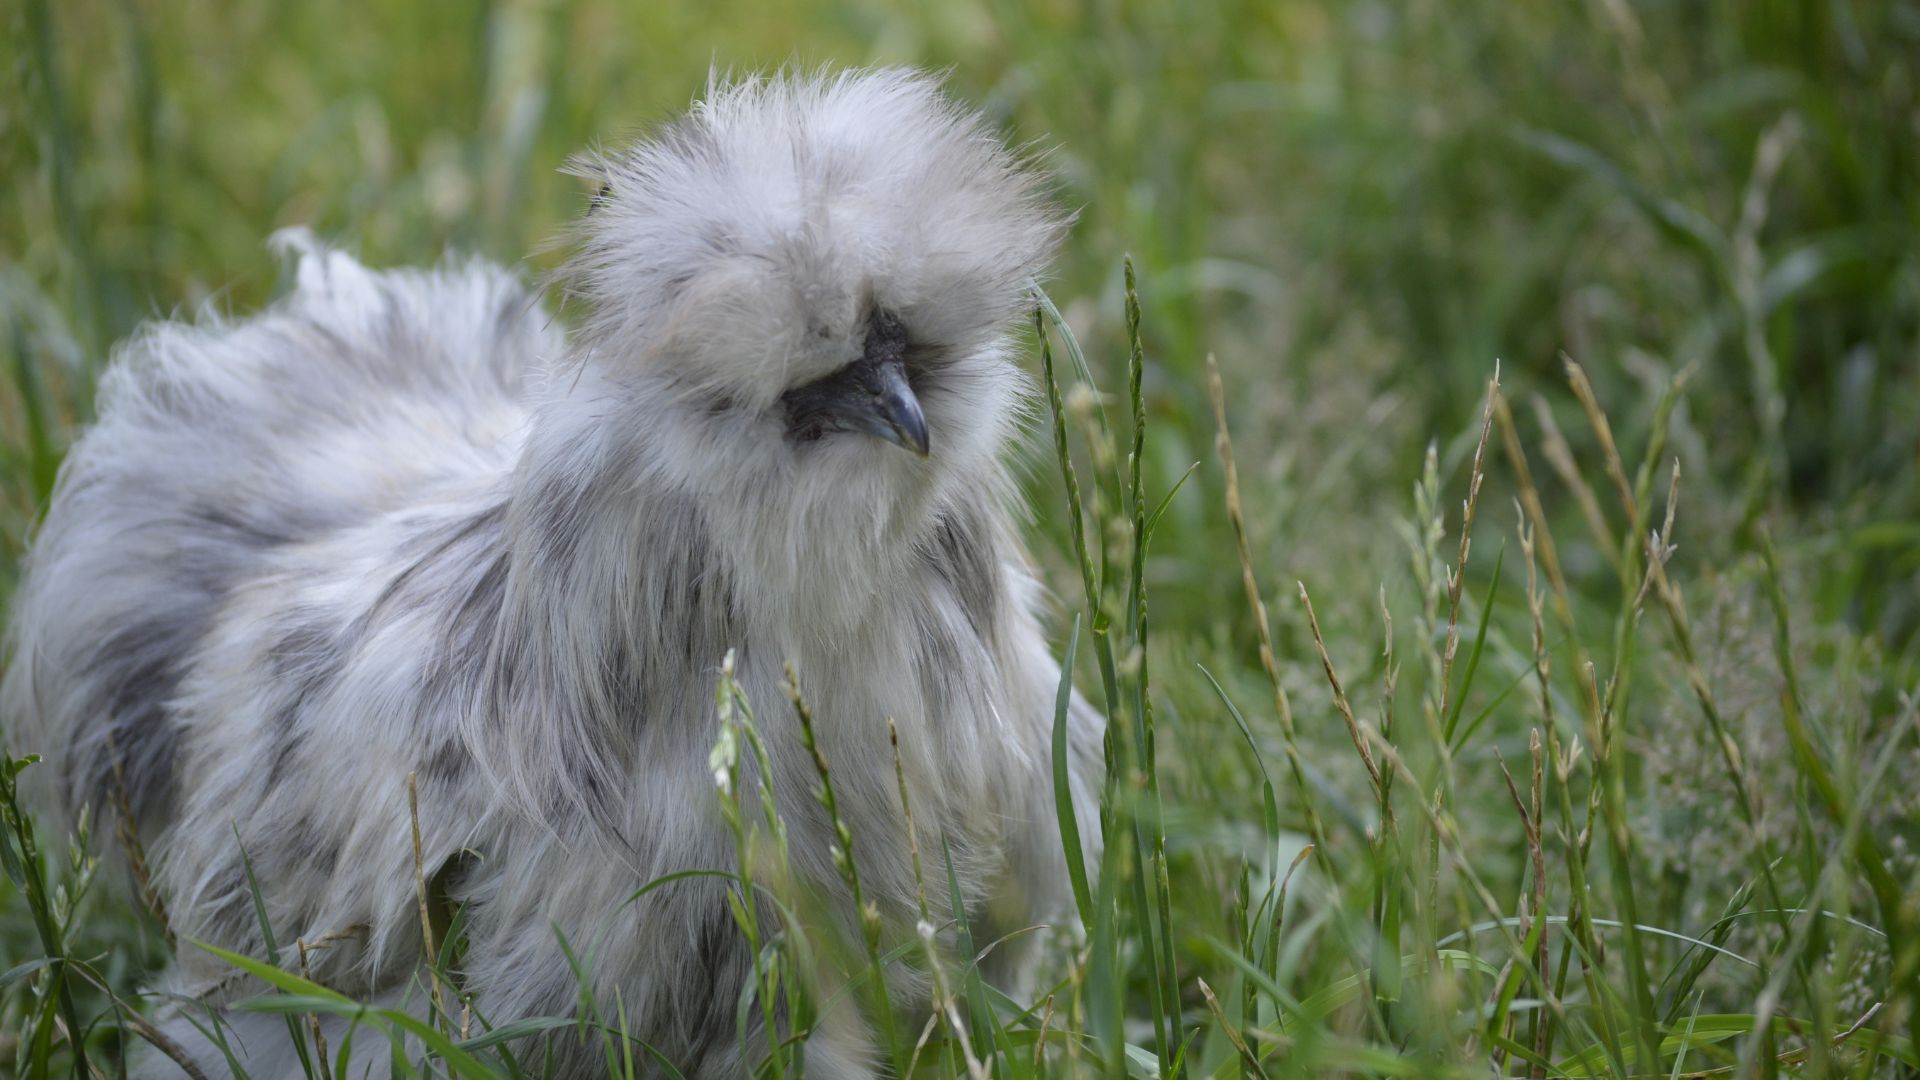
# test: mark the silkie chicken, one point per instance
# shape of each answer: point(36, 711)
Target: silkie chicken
point(402, 524)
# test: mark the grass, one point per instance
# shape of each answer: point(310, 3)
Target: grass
point(1558, 725)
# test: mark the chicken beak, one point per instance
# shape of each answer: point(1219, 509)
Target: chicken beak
point(870, 395)
point(896, 411)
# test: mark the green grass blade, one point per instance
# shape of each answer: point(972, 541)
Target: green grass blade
point(1063, 786)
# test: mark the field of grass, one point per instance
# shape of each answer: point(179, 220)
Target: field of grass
point(1627, 785)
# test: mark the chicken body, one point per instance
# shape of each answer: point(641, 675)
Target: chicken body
point(401, 525)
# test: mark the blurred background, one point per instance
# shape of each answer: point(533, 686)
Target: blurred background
point(1358, 207)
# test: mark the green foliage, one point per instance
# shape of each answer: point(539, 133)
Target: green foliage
point(1464, 738)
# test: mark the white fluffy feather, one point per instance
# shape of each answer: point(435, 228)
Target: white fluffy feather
point(397, 524)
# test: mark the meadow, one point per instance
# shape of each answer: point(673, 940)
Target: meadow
point(1476, 471)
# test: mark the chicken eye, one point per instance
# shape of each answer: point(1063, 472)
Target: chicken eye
point(600, 197)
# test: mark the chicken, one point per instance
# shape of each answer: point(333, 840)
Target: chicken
point(401, 524)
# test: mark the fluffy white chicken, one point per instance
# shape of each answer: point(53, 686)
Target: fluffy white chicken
point(397, 524)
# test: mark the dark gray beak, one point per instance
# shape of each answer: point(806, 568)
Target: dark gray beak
point(870, 395)
point(892, 412)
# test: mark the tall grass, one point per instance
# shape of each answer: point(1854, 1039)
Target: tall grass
point(1414, 943)
point(1558, 724)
